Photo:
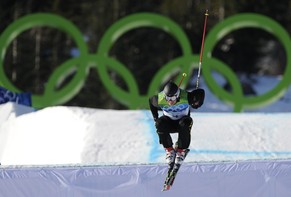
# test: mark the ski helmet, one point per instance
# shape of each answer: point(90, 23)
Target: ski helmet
point(171, 89)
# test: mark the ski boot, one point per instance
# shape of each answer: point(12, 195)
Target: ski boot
point(170, 155)
point(180, 156)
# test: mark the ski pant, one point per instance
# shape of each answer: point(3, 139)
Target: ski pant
point(182, 126)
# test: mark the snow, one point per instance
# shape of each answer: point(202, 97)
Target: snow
point(63, 135)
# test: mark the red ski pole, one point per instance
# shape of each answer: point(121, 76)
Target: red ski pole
point(201, 50)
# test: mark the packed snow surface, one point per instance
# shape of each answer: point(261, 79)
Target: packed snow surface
point(76, 135)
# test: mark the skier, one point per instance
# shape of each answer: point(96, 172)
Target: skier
point(175, 104)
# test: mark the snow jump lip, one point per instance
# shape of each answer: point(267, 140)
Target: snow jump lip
point(229, 137)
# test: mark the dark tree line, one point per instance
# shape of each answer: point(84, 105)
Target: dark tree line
point(34, 55)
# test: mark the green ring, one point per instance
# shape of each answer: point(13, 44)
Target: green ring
point(253, 21)
point(123, 26)
point(31, 21)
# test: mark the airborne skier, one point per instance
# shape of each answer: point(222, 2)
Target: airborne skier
point(175, 104)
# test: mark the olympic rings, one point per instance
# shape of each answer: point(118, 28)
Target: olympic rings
point(131, 98)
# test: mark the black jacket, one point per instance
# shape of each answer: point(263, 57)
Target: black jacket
point(195, 100)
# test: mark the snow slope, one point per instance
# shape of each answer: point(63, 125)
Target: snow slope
point(74, 135)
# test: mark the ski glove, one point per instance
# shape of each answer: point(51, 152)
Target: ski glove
point(197, 98)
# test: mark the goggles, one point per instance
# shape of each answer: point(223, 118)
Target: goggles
point(174, 97)
point(171, 98)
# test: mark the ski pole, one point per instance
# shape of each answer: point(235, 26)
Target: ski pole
point(183, 76)
point(201, 50)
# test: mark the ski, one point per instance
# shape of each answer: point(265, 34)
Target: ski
point(170, 169)
point(171, 175)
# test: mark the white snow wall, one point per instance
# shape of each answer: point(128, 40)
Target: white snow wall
point(240, 179)
point(63, 135)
